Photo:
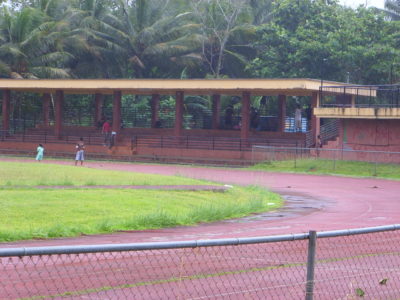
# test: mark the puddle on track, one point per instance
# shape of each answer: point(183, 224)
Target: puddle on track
point(296, 204)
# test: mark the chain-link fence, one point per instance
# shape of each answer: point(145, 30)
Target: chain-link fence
point(290, 158)
point(342, 264)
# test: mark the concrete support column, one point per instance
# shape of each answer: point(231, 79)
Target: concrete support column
point(98, 104)
point(179, 113)
point(46, 109)
point(245, 129)
point(281, 112)
point(116, 122)
point(155, 107)
point(315, 122)
point(6, 110)
point(58, 113)
point(216, 111)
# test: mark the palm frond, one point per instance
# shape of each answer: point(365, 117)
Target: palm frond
point(50, 72)
point(180, 46)
point(57, 58)
point(4, 69)
point(239, 58)
point(29, 76)
point(11, 50)
point(15, 75)
point(191, 61)
point(112, 33)
point(156, 31)
point(73, 16)
point(242, 36)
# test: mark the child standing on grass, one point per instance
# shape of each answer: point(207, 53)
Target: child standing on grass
point(40, 152)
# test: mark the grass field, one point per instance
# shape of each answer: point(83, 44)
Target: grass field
point(321, 166)
point(31, 174)
point(27, 212)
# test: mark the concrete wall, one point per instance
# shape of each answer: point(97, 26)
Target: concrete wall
point(376, 135)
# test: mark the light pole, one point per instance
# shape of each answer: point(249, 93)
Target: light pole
point(322, 69)
point(391, 73)
point(322, 77)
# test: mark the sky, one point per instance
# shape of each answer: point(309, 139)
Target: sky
point(356, 3)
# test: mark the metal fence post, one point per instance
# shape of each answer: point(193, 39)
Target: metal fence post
point(312, 241)
point(334, 160)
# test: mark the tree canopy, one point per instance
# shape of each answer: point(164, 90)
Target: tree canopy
point(199, 39)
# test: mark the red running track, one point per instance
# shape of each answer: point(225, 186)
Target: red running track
point(315, 203)
point(275, 271)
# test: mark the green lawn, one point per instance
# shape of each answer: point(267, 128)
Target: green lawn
point(322, 166)
point(28, 213)
point(31, 174)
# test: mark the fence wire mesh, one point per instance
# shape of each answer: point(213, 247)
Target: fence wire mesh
point(315, 159)
point(346, 267)
point(234, 272)
point(358, 267)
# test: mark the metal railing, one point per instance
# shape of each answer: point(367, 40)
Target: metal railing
point(290, 125)
point(209, 143)
point(329, 130)
point(342, 264)
point(46, 137)
point(156, 141)
point(364, 96)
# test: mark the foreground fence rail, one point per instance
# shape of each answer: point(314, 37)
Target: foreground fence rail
point(342, 264)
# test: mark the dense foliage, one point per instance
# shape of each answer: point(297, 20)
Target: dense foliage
point(198, 39)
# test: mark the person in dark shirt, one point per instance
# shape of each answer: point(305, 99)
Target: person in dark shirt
point(229, 117)
point(263, 112)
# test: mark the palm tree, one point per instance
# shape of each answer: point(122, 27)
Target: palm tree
point(392, 9)
point(159, 40)
point(31, 46)
point(94, 38)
